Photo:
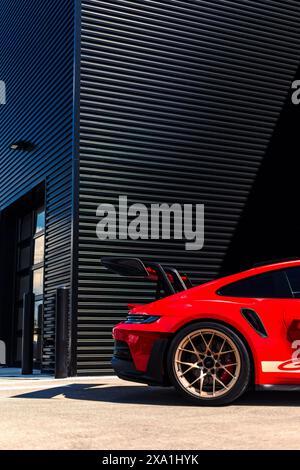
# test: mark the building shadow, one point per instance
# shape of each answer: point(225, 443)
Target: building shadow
point(269, 227)
point(156, 396)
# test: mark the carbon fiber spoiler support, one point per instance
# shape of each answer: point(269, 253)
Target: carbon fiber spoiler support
point(168, 280)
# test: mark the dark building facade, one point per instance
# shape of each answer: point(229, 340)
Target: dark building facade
point(37, 59)
point(160, 101)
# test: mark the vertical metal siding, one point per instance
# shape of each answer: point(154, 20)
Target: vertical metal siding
point(36, 62)
point(178, 103)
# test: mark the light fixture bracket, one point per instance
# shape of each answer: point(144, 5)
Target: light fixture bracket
point(23, 145)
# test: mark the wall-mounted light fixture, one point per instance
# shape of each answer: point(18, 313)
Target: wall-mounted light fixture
point(23, 145)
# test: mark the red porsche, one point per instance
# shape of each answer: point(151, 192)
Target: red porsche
point(212, 342)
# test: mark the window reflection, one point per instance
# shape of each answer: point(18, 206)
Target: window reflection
point(40, 220)
point(38, 279)
point(39, 244)
point(37, 313)
point(37, 348)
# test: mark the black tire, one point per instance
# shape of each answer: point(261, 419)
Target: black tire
point(241, 374)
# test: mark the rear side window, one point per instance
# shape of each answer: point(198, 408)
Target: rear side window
point(270, 285)
point(293, 275)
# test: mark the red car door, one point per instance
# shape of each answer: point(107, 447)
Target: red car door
point(275, 351)
point(289, 369)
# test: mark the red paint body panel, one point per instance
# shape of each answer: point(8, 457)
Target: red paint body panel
point(140, 344)
point(203, 302)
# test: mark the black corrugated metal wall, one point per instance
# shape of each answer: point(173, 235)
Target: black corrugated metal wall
point(36, 63)
point(178, 101)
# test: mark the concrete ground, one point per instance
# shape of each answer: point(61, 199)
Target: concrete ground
point(107, 413)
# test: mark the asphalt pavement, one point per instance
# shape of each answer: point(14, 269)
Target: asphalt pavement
point(107, 413)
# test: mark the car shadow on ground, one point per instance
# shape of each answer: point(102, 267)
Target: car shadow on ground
point(156, 396)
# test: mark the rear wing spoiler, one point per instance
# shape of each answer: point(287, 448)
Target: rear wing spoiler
point(168, 280)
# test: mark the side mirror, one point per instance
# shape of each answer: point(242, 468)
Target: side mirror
point(130, 267)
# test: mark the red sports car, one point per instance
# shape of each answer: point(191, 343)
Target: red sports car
point(215, 340)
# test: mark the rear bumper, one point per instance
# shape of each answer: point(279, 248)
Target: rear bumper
point(155, 373)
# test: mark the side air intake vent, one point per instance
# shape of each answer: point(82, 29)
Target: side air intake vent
point(252, 317)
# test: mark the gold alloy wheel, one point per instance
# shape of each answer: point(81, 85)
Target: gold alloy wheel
point(207, 363)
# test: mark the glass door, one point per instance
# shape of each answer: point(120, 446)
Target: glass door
point(30, 278)
point(23, 280)
point(38, 284)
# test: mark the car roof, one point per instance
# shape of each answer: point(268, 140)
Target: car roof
point(270, 266)
point(223, 281)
